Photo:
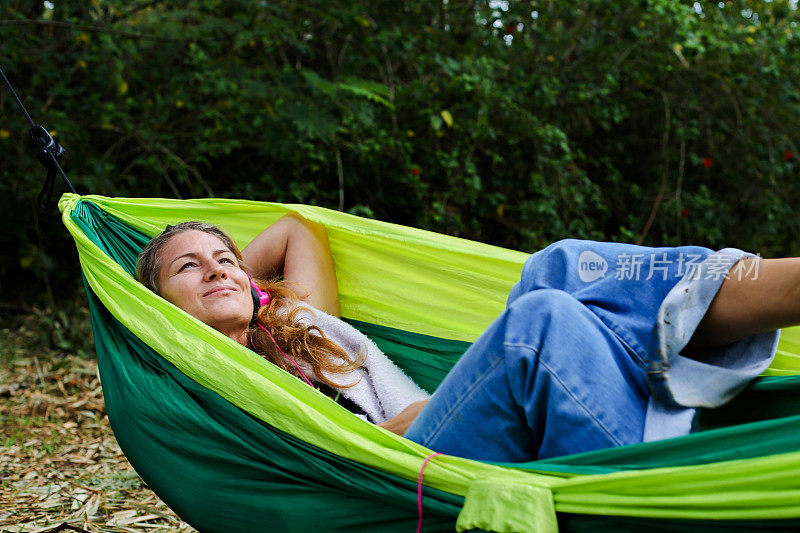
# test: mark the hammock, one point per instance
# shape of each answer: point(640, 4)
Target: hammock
point(232, 443)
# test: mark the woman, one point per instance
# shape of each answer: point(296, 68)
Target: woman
point(198, 268)
point(584, 357)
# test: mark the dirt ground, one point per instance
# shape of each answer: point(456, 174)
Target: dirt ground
point(60, 466)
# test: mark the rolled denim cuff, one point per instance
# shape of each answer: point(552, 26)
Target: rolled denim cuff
point(679, 381)
point(666, 421)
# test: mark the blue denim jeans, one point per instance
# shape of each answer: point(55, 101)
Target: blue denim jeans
point(564, 369)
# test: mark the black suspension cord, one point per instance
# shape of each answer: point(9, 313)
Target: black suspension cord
point(48, 151)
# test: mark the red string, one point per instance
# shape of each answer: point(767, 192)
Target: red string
point(419, 489)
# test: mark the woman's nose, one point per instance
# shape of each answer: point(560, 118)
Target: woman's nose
point(216, 271)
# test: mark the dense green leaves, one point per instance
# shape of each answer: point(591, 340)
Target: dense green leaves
point(511, 122)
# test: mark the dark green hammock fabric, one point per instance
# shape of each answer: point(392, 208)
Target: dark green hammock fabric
point(222, 468)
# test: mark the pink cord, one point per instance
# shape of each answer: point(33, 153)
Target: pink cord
point(419, 489)
point(287, 357)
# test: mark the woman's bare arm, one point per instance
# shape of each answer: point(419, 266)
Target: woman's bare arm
point(400, 423)
point(767, 298)
point(298, 250)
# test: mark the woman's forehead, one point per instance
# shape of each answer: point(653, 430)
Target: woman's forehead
point(192, 241)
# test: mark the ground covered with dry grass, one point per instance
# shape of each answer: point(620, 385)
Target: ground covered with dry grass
point(60, 466)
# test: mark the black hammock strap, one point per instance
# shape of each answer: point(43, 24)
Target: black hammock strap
point(48, 151)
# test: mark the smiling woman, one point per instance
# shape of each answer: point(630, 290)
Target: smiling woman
point(200, 269)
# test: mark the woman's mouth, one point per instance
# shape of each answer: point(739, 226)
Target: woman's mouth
point(219, 290)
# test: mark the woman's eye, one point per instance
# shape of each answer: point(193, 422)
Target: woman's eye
point(186, 265)
point(226, 260)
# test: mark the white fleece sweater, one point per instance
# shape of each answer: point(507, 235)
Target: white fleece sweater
point(381, 389)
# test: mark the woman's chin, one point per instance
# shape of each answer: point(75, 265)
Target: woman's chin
point(224, 318)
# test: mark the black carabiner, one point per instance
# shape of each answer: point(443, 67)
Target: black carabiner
point(48, 151)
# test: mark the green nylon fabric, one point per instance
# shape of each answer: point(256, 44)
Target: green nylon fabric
point(217, 467)
point(195, 445)
point(222, 470)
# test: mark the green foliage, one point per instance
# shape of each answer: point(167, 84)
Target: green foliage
point(510, 122)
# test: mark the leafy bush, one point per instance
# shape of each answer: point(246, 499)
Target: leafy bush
point(510, 122)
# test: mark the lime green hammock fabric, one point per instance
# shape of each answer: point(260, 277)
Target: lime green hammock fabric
point(231, 443)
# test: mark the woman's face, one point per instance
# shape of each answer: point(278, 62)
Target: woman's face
point(199, 274)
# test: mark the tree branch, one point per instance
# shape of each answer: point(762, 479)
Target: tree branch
point(340, 172)
point(664, 173)
point(84, 27)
